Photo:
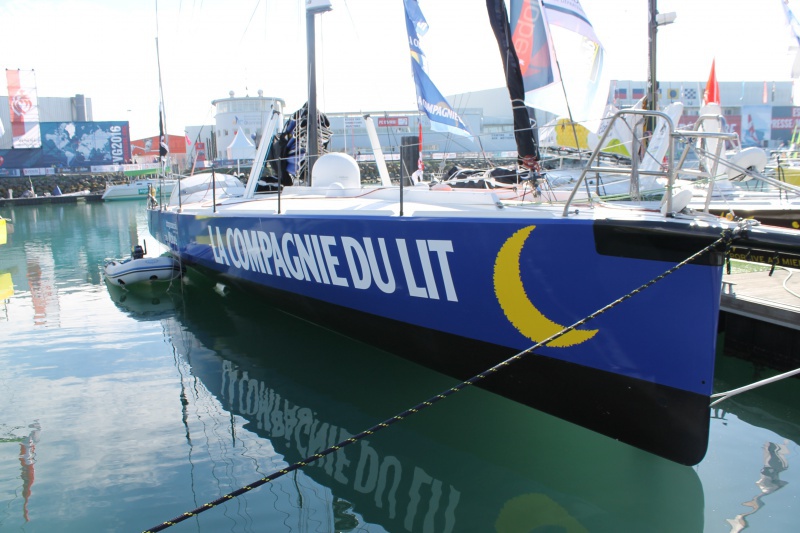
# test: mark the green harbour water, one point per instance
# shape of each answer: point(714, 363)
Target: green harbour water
point(120, 410)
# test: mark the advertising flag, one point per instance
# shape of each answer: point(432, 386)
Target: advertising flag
point(23, 108)
point(429, 100)
point(532, 43)
point(572, 82)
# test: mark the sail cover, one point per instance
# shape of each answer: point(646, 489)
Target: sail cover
point(429, 100)
point(561, 59)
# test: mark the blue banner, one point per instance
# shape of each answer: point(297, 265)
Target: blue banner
point(71, 144)
point(74, 145)
point(429, 100)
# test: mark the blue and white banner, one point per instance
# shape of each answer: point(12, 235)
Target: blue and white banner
point(429, 100)
point(72, 144)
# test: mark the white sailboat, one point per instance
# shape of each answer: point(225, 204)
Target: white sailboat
point(140, 189)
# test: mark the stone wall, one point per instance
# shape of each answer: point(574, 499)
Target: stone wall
point(94, 183)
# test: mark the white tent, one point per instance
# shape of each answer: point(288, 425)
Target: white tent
point(241, 147)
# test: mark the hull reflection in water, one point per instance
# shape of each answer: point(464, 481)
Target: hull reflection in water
point(148, 301)
point(475, 462)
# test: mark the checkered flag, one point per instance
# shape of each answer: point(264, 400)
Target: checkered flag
point(690, 94)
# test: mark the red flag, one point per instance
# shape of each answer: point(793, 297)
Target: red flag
point(711, 94)
point(420, 164)
point(188, 141)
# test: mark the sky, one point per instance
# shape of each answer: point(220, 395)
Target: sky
point(110, 51)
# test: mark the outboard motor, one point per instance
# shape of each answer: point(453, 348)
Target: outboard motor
point(137, 252)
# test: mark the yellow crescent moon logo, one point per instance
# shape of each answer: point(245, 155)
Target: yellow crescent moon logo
point(519, 310)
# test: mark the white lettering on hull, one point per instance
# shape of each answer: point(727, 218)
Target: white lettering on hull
point(345, 261)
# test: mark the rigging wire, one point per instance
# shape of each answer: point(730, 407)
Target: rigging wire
point(247, 26)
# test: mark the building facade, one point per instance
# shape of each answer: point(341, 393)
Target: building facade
point(76, 108)
point(247, 114)
point(762, 113)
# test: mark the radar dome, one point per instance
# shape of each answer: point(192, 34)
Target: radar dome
point(336, 168)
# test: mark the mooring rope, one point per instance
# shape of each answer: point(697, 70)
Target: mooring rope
point(733, 392)
point(728, 235)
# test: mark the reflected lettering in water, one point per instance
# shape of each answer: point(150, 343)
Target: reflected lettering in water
point(305, 389)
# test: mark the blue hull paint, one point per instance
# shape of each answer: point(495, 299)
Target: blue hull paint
point(655, 336)
point(652, 357)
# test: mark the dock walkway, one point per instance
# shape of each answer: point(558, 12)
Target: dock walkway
point(758, 295)
point(760, 317)
point(45, 200)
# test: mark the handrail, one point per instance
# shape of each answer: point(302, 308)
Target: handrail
point(633, 171)
point(669, 169)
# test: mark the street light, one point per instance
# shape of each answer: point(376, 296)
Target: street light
point(662, 19)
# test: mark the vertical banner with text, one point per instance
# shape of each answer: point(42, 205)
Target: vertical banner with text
point(23, 106)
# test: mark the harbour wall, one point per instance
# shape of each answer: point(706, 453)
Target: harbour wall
point(67, 183)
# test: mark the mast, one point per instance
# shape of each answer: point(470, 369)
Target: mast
point(652, 28)
point(654, 21)
point(312, 126)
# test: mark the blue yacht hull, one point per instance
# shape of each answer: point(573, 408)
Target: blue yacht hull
point(461, 294)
